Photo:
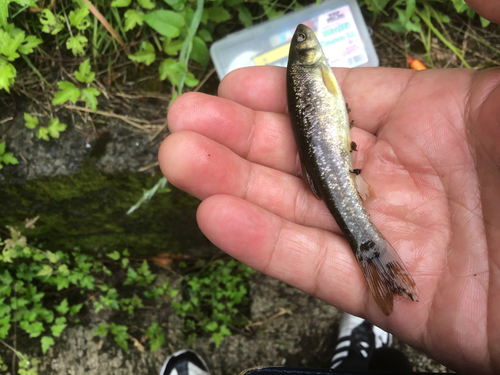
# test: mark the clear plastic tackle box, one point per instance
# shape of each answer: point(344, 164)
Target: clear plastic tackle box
point(339, 26)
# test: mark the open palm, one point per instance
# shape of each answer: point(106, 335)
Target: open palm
point(427, 146)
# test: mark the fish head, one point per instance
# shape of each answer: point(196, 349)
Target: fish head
point(305, 48)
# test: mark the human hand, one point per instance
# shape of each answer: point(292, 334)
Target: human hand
point(428, 146)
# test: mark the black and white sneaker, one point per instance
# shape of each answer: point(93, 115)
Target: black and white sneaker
point(184, 362)
point(358, 339)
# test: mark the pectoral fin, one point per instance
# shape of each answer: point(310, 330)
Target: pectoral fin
point(362, 187)
point(309, 181)
point(329, 79)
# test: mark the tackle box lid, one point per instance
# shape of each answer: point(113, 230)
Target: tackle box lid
point(339, 25)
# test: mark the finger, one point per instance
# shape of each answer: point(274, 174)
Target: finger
point(318, 262)
point(261, 137)
point(203, 167)
point(261, 88)
point(370, 92)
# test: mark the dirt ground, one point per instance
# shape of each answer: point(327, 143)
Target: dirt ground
point(290, 328)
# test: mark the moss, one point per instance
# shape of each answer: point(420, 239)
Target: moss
point(88, 210)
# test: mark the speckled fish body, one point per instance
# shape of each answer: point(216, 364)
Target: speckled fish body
point(320, 125)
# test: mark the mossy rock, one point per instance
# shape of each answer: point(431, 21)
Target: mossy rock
point(88, 210)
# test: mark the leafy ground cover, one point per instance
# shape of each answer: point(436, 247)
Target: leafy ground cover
point(42, 292)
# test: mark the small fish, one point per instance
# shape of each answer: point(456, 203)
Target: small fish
point(320, 123)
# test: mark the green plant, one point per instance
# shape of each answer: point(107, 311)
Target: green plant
point(53, 128)
point(70, 92)
point(214, 299)
point(6, 157)
point(415, 15)
point(42, 292)
point(13, 44)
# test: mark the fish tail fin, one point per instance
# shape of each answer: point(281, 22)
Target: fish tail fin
point(386, 276)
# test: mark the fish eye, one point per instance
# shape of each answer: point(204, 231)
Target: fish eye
point(301, 37)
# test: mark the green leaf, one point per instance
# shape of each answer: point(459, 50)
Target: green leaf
point(146, 4)
point(46, 315)
point(205, 35)
point(7, 75)
point(218, 14)
point(156, 336)
point(61, 282)
point(460, 5)
point(172, 48)
point(47, 342)
point(176, 5)
point(144, 268)
point(87, 281)
point(410, 8)
point(120, 335)
point(8, 253)
point(59, 326)
point(133, 18)
point(63, 270)
point(172, 70)
point(440, 16)
point(4, 326)
point(84, 74)
point(73, 310)
point(4, 12)
point(30, 121)
point(102, 330)
point(8, 158)
point(68, 92)
point(34, 329)
point(146, 54)
point(90, 94)
point(29, 43)
point(200, 52)
point(166, 22)
point(43, 133)
point(245, 16)
point(10, 43)
point(190, 80)
point(62, 308)
point(212, 326)
point(45, 271)
point(4, 309)
point(24, 3)
point(51, 24)
point(76, 44)
point(78, 18)
point(120, 3)
point(115, 255)
point(2, 148)
point(55, 127)
point(53, 258)
point(484, 22)
point(125, 262)
point(219, 336)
